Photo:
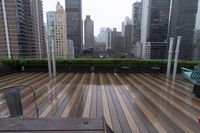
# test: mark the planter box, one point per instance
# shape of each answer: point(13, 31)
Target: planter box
point(61, 69)
point(104, 69)
point(79, 69)
point(36, 69)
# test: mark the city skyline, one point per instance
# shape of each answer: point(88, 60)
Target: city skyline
point(99, 11)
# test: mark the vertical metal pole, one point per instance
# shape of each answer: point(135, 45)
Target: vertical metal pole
point(49, 60)
point(6, 29)
point(176, 56)
point(170, 56)
point(53, 57)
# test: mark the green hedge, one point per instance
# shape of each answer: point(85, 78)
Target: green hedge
point(17, 63)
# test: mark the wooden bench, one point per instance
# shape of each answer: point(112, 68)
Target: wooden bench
point(39, 125)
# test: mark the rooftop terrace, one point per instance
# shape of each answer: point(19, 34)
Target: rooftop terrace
point(129, 102)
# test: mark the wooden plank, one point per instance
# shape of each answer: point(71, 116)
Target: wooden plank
point(138, 98)
point(185, 116)
point(72, 81)
point(56, 99)
point(73, 98)
point(93, 106)
point(155, 107)
point(14, 77)
point(181, 90)
point(176, 101)
point(10, 76)
point(179, 79)
point(86, 112)
point(172, 116)
point(43, 98)
point(99, 98)
point(106, 110)
point(186, 87)
point(115, 120)
point(4, 109)
point(52, 90)
point(120, 114)
point(78, 106)
point(137, 114)
point(17, 81)
point(130, 120)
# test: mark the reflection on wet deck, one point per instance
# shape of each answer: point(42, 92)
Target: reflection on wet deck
point(133, 102)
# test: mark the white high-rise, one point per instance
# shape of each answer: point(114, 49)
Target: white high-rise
point(144, 26)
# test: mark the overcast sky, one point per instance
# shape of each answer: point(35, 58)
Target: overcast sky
point(105, 13)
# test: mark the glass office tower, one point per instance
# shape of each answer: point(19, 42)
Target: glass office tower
point(182, 23)
point(74, 24)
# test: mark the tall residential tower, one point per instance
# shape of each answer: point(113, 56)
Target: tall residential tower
point(21, 29)
point(37, 38)
point(136, 16)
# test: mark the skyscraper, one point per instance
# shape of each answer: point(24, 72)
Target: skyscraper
point(114, 34)
point(22, 31)
point(154, 32)
point(60, 32)
point(102, 35)
point(196, 43)
point(15, 28)
point(74, 24)
point(182, 23)
point(136, 16)
point(129, 37)
point(123, 28)
point(37, 36)
point(89, 32)
point(119, 44)
point(108, 38)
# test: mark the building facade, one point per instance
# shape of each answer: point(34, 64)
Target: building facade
point(196, 50)
point(182, 23)
point(15, 29)
point(60, 32)
point(38, 43)
point(158, 50)
point(22, 30)
point(102, 36)
point(155, 24)
point(114, 34)
point(108, 38)
point(74, 24)
point(137, 18)
point(137, 49)
point(89, 32)
point(119, 44)
point(129, 38)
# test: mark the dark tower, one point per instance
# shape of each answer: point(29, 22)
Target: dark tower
point(182, 23)
point(74, 24)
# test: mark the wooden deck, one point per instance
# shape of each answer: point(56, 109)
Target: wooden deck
point(129, 103)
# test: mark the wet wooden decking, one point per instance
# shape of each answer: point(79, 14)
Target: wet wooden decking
point(129, 103)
